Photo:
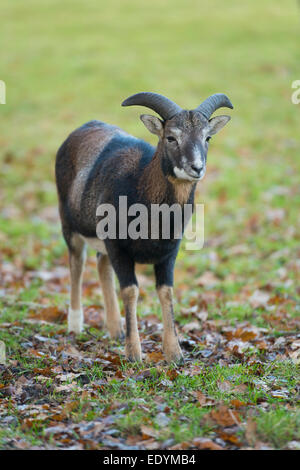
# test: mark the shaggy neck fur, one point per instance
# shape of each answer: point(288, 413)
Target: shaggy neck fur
point(158, 186)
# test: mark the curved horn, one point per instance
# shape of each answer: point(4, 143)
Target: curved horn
point(211, 104)
point(160, 104)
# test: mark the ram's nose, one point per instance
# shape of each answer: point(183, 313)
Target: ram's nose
point(197, 169)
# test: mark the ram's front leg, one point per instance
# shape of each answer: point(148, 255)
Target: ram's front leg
point(164, 286)
point(132, 345)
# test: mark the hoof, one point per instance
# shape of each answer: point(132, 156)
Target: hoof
point(118, 335)
point(133, 352)
point(133, 359)
point(175, 359)
point(173, 354)
point(180, 361)
point(115, 330)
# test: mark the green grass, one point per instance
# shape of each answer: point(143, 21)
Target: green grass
point(278, 426)
point(69, 62)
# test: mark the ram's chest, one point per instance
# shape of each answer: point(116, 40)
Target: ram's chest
point(149, 251)
point(141, 251)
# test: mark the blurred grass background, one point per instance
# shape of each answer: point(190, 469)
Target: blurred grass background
point(67, 62)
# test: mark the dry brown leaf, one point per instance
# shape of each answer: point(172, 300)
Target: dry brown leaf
point(71, 405)
point(47, 371)
point(248, 335)
point(148, 431)
point(237, 403)
point(71, 351)
point(224, 386)
point(155, 356)
point(181, 446)
point(194, 325)
point(119, 375)
point(259, 299)
point(295, 356)
point(230, 438)
point(203, 400)
point(225, 416)
point(208, 444)
point(172, 374)
point(242, 388)
point(50, 314)
point(94, 316)
point(207, 279)
point(151, 444)
point(58, 417)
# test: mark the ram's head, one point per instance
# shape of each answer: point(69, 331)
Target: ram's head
point(184, 135)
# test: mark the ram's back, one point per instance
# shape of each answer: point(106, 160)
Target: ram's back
point(96, 164)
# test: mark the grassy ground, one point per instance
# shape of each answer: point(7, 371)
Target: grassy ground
point(238, 299)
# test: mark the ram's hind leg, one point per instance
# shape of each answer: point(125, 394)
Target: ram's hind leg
point(113, 317)
point(164, 286)
point(76, 259)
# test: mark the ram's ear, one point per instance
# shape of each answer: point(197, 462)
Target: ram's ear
point(217, 123)
point(153, 124)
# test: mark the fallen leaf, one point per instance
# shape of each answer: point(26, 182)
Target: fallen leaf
point(50, 314)
point(155, 356)
point(224, 386)
point(207, 279)
point(259, 299)
point(194, 325)
point(148, 431)
point(180, 446)
point(172, 374)
point(237, 403)
point(242, 388)
point(203, 443)
point(225, 416)
point(94, 316)
point(203, 400)
point(230, 438)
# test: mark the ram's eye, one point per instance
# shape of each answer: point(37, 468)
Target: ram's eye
point(208, 138)
point(170, 138)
